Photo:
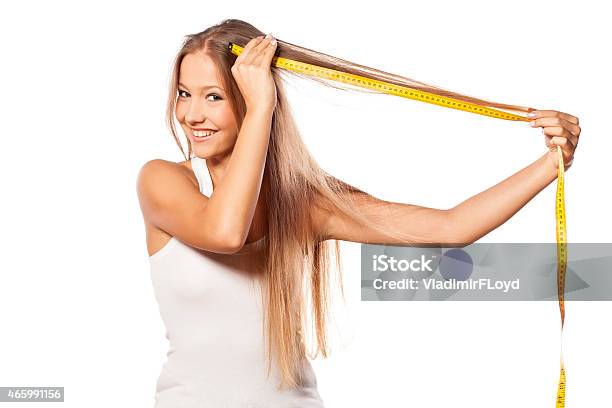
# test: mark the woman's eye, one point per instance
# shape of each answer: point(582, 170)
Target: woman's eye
point(181, 92)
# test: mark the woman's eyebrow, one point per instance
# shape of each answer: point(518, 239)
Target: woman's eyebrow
point(204, 87)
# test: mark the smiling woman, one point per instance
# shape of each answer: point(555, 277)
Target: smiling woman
point(200, 92)
point(236, 323)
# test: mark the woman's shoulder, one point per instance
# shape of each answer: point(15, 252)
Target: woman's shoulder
point(158, 174)
point(162, 163)
point(156, 168)
point(158, 181)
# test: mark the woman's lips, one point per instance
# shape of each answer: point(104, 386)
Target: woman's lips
point(197, 139)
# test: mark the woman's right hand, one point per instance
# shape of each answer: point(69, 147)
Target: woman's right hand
point(253, 75)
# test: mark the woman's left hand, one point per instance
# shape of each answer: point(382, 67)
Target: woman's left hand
point(559, 129)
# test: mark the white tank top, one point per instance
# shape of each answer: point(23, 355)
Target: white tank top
point(211, 308)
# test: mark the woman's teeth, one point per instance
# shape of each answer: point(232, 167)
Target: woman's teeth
point(202, 133)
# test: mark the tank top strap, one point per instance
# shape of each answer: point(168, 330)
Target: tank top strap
point(200, 170)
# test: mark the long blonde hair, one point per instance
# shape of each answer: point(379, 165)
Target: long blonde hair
point(297, 261)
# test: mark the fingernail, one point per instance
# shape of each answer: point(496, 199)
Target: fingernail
point(532, 123)
point(268, 35)
point(273, 40)
point(531, 115)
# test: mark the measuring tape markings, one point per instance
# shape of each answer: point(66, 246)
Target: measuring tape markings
point(385, 87)
point(561, 265)
point(453, 103)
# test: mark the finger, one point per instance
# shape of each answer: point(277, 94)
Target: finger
point(550, 145)
point(266, 57)
point(547, 141)
point(255, 51)
point(553, 113)
point(567, 148)
point(556, 121)
point(245, 56)
point(560, 131)
point(264, 51)
point(262, 45)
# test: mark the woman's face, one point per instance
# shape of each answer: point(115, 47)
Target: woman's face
point(202, 104)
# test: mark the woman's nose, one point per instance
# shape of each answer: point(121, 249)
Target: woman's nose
point(195, 113)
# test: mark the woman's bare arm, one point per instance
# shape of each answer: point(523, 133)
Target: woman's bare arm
point(462, 224)
point(171, 202)
point(473, 218)
point(482, 213)
point(235, 199)
point(221, 222)
point(431, 224)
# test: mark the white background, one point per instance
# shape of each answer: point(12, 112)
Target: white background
point(84, 87)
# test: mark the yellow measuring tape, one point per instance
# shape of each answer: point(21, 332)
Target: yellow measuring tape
point(453, 103)
point(561, 266)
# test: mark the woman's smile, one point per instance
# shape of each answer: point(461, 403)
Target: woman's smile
point(202, 136)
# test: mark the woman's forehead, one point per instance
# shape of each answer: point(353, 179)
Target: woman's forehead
point(199, 71)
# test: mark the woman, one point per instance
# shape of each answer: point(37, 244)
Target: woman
point(239, 234)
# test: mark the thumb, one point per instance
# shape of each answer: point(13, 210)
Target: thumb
point(270, 51)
